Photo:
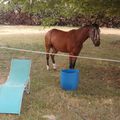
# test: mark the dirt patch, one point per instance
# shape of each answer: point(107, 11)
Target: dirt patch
point(19, 30)
point(115, 43)
point(111, 76)
point(110, 31)
point(37, 30)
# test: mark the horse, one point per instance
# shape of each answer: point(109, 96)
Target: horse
point(70, 42)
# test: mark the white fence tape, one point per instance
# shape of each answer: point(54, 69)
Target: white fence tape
point(64, 55)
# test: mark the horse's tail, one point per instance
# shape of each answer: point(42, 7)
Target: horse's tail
point(48, 46)
point(48, 43)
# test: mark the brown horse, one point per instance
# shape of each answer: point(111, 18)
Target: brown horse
point(70, 42)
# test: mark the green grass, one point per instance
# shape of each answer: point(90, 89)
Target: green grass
point(98, 96)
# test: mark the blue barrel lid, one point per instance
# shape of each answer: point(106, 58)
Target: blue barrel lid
point(70, 70)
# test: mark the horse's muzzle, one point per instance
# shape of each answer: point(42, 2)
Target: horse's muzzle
point(97, 43)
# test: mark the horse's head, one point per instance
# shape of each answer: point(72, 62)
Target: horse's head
point(94, 34)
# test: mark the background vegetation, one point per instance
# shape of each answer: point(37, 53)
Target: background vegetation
point(61, 12)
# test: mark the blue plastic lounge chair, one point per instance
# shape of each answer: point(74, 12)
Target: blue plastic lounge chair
point(11, 92)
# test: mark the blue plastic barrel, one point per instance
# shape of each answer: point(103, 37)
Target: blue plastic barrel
point(69, 79)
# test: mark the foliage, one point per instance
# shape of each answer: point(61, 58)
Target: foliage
point(51, 10)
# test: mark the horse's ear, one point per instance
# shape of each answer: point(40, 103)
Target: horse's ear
point(95, 25)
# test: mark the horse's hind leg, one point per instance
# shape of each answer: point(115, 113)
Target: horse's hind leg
point(47, 57)
point(54, 51)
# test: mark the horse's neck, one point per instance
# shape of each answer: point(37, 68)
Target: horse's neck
point(82, 35)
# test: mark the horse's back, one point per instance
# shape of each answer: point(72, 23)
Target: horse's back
point(51, 33)
point(60, 40)
point(55, 35)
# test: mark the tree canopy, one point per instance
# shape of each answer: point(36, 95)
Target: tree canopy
point(51, 10)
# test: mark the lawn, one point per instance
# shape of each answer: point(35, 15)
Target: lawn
point(98, 95)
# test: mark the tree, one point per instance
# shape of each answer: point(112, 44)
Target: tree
point(52, 10)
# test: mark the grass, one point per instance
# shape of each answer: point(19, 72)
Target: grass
point(98, 96)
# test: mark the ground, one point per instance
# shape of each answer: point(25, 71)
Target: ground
point(98, 95)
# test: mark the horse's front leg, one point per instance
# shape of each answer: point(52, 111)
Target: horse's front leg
point(73, 57)
point(47, 57)
point(72, 62)
point(54, 51)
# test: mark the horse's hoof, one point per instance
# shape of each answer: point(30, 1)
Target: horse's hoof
point(54, 66)
point(48, 68)
point(55, 69)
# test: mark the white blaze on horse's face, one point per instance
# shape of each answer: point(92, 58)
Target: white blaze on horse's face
point(95, 35)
